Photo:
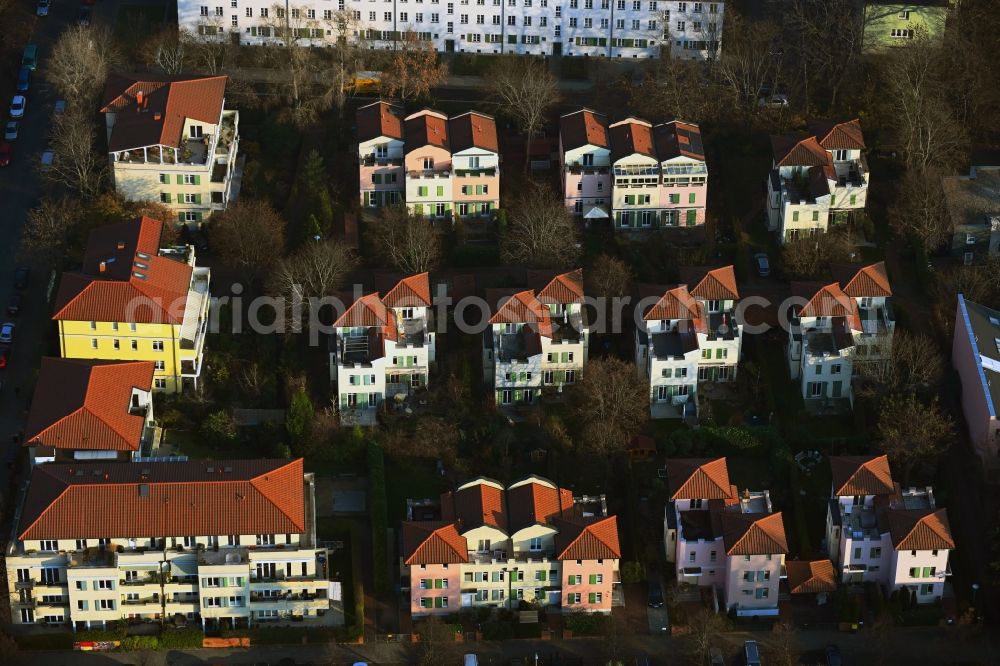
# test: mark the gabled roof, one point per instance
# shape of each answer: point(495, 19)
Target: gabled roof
point(369, 310)
point(676, 303)
point(124, 279)
point(165, 104)
point(412, 291)
point(84, 404)
point(861, 475)
point(524, 308)
point(433, 542)
point(631, 136)
point(579, 540)
point(838, 136)
point(860, 281)
point(810, 577)
point(475, 504)
point(380, 119)
point(753, 533)
point(830, 301)
point(698, 478)
point(678, 139)
point(582, 128)
point(425, 128)
point(712, 284)
point(920, 529)
point(125, 499)
point(792, 151)
point(565, 288)
point(473, 130)
point(536, 502)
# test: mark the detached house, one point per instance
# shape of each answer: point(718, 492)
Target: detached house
point(690, 337)
point(889, 23)
point(171, 140)
point(537, 342)
point(452, 165)
point(878, 532)
point(816, 178)
point(973, 203)
point(497, 546)
point(383, 349)
point(380, 155)
point(135, 301)
point(720, 538)
point(975, 354)
point(586, 162)
point(842, 324)
point(88, 410)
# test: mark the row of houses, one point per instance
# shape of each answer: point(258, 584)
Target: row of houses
point(734, 543)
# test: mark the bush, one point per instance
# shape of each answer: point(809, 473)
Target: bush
point(633, 572)
point(46, 641)
point(135, 643)
point(586, 624)
point(379, 517)
point(180, 639)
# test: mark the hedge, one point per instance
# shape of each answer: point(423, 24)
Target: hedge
point(46, 641)
point(379, 518)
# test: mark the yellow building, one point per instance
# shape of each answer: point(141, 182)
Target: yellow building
point(133, 301)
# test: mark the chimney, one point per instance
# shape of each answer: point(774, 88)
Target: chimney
point(138, 98)
point(121, 245)
point(104, 266)
point(157, 116)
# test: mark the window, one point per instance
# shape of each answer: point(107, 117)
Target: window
point(159, 383)
point(835, 369)
point(93, 343)
point(159, 365)
point(164, 179)
point(104, 584)
point(265, 539)
point(904, 16)
point(484, 546)
point(875, 553)
point(157, 345)
point(535, 544)
point(135, 345)
point(106, 604)
point(235, 19)
point(573, 598)
point(48, 544)
point(760, 593)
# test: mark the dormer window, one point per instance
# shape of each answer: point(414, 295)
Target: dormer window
point(197, 131)
point(474, 162)
point(714, 306)
point(381, 152)
point(840, 156)
point(428, 163)
point(588, 160)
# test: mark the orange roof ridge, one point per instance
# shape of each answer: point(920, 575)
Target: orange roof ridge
point(676, 303)
point(861, 475)
point(830, 301)
point(564, 288)
point(754, 534)
point(367, 311)
point(870, 280)
point(810, 576)
point(433, 543)
point(698, 478)
point(595, 541)
point(717, 284)
point(412, 291)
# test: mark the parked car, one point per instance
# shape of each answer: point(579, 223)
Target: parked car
point(14, 304)
point(774, 101)
point(655, 594)
point(21, 275)
point(833, 656)
point(10, 131)
point(59, 107)
point(23, 79)
point(83, 16)
point(715, 657)
point(751, 653)
point(762, 264)
point(5, 153)
point(29, 57)
point(17, 106)
point(4, 356)
point(43, 8)
point(7, 332)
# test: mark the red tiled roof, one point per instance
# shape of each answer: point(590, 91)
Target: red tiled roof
point(429, 542)
point(524, 308)
point(676, 303)
point(698, 478)
point(479, 503)
point(792, 151)
point(536, 503)
point(166, 103)
point(597, 540)
point(810, 577)
point(582, 128)
point(858, 282)
point(565, 288)
point(712, 284)
point(84, 404)
point(124, 279)
point(920, 529)
point(122, 500)
point(412, 291)
point(631, 136)
point(861, 475)
point(425, 128)
point(830, 301)
point(754, 533)
point(473, 130)
point(838, 136)
point(369, 310)
point(379, 119)
point(678, 139)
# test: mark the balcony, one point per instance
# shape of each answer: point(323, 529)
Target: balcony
point(476, 173)
point(429, 174)
point(878, 321)
point(24, 585)
point(141, 601)
point(852, 173)
point(581, 170)
point(288, 595)
point(722, 326)
point(373, 161)
point(860, 524)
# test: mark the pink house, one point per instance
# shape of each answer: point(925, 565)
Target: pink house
point(976, 356)
point(586, 162)
point(683, 173)
point(380, 154)
point(434, 554)
point(589, 553)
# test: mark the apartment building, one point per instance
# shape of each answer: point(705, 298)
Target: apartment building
point(452, 165)
point(135, 301)
point(497, 546)
point(224, 543)
point(691, 337)
point(816, 180)
point(537, 341)
point(380, 155)
point(878, 532)
point(384, 348)
point(888, 24)
point(842, 324)
point(90, 410)
point(978, 364)
point(660, 176)
point(720, 538)
point(597, 28)
point(172, 140)
point(973, 203)
point(586, 163)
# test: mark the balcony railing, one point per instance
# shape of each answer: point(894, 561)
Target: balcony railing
point(429, 173)
point(476, 173)
point(372, 161)
point(24, 584)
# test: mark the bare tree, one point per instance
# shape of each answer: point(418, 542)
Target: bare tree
point(665, 92)
point(77, 165)
point(79, 64)
point(808, 257)
point(525, 90)
point(413, 69)
point(912, 431)
point(540, 231)
point(706, 627)
point(166, 51)
point(48, 229)
point(901, 363)
point(921, 210)
point(347, 58)
point(783, 652)
point(248, 236)
point(747, 62)
point(407, 242)
point(208, 44)
point(315, 271)
point(825, 44)
point(609, 277)
point(609, 405)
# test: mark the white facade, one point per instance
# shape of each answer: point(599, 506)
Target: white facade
point(608, 28)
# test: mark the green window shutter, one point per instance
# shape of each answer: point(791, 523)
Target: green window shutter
point(691, 197)
point(197, 217)
point(180, 179)
point(197, 198)
point(447, 207)
point(166, 197)
point(692, 218)
point(675, 198)
point(854, 199)
point(418, 209)
point(438, 583)
point(197, 180)
point(795, 216)
point(833, 199)
point(592, 598)
point(718, 353)
point(377, 178)
point(180, 217)
point(593, 579)
point(440, 190)
point(517, 395)
point(815, 216)
point(480, 189)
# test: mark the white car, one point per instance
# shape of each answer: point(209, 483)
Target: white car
point(10, 131)
point(774, 101)
point(17, 106)
point(7, 332)
point(43, 8)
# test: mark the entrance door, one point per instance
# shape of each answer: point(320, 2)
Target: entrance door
point(556, 48)
point(836, 389)
point(449, 45)
point(662, 393)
